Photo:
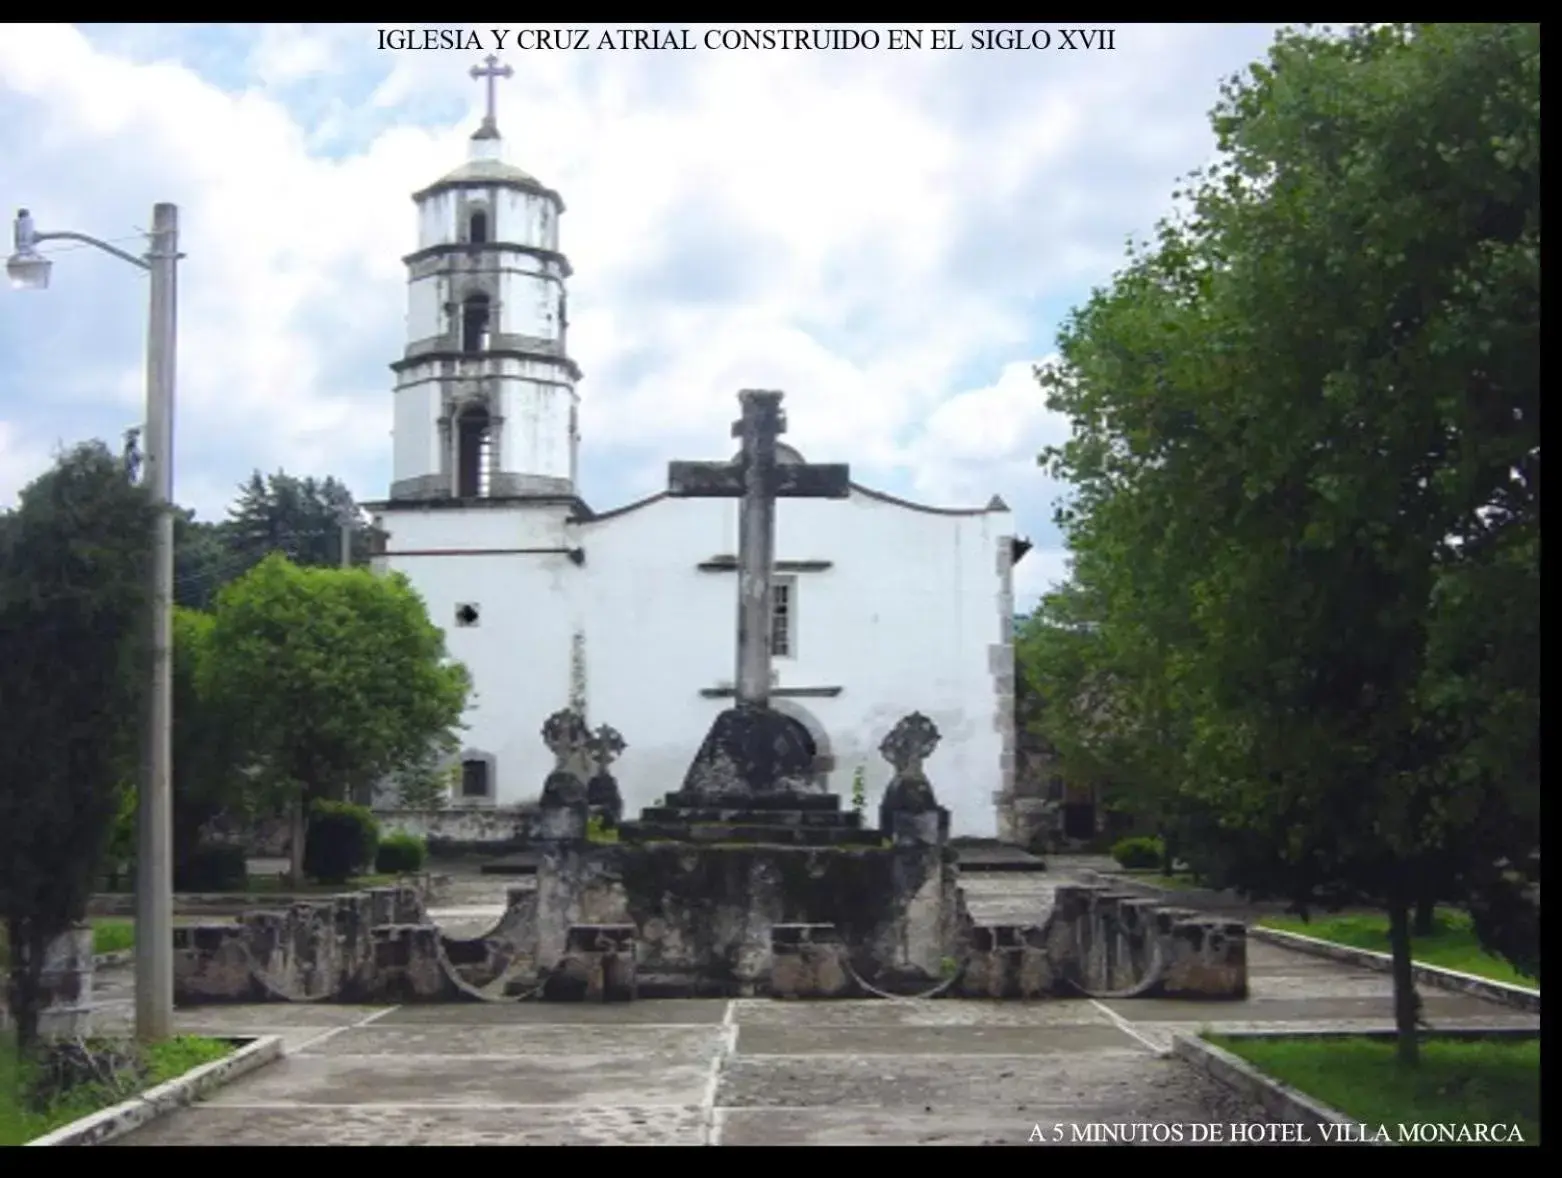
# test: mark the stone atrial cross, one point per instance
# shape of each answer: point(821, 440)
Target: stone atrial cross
point(758, 479)
point(491, 69)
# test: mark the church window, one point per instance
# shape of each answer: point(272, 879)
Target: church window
point(783, 617)
point(474, 779)
point(477, 228)
point(466, 614)
point(475, 323)
point(474, 435)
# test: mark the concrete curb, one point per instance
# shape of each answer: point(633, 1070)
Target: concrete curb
point(1282, 1102)
point(109, 1123)
point(1518, 997)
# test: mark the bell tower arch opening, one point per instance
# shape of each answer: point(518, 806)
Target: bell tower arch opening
point(476, 319)
point(474, 452)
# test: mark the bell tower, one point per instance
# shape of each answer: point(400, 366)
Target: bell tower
point(485, 391)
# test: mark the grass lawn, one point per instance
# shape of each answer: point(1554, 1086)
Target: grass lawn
point(110, 934)
point(1152, 877)
point(1459, 1082)
point(1452, 944)
point(263, 885)
point(164, 1061)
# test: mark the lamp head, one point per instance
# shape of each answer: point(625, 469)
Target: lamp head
point(27, 268)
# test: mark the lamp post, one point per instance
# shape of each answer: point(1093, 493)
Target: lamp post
point(29, 270)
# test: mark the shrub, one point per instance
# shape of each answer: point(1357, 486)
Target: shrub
point(119, 861)
point(212, 867)
point(341, 841)
point(400, 853)
point(1138, 852)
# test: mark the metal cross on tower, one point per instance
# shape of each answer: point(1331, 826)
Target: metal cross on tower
point(491, 70)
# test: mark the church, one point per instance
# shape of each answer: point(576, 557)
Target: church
point(880, 607)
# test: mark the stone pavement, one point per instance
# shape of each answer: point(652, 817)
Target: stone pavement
point(758, 1072)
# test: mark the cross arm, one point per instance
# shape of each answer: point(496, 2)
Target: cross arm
point(704, 480)
point(814, 480)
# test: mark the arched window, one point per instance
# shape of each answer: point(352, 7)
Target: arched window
point(474, 323)
point(474, 441)
point(477, 228)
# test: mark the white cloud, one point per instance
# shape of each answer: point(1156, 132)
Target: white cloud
point(874, 233)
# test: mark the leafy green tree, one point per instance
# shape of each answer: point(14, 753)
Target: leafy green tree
point(1306, 457)
point(336, 679)
point(73, 600)
point(209, 759)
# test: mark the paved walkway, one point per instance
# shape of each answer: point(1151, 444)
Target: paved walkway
point(760, 1072)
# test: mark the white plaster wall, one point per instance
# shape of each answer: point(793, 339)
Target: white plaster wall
point(903, 622)
point(527, 219)
point(536, 437)
point(528, 301)
point(519, 652)
point(415, 436)
point(437, 219)
point(425, 307)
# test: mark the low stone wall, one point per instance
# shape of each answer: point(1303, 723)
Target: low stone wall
point(371, 946)
point(614, 922)
point(459, 830)
point(65, 1006)
point(1109, 944)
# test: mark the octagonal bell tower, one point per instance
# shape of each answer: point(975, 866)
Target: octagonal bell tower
point(485, 392)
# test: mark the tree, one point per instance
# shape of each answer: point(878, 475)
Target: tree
point(203, 562)
point(336, 679)
point(1306, 458)
point(73, 600)
point(208, 756)
point(299, 518)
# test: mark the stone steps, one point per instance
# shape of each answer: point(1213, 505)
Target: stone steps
point(749, 816)
point(724, 832)
point(776, 801)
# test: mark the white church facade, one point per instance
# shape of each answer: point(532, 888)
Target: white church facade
point(882, 607)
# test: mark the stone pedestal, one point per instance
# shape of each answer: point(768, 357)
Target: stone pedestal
point(750, 752)
point(562, 821)
point(927, 828)
point(808, 961)
point(1206, 959)
point(65, 1010)
point(1007, 961)
point(598, 965)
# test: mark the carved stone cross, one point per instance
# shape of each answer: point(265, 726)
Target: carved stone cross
point(568, 739)
point(605, 746)
point(910, 743)
point(758, 479)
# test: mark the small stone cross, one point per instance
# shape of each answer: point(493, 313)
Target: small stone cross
point(567, 737)
point(910, 743)
point(605, 746)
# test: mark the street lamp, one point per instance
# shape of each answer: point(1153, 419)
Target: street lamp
point(29, 270)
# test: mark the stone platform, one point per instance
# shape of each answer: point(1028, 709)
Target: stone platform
point(704, 914)
point(756, 1072)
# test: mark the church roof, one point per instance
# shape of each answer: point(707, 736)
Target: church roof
point(490, 171)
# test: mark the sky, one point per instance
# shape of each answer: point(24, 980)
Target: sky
point(893, 237)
